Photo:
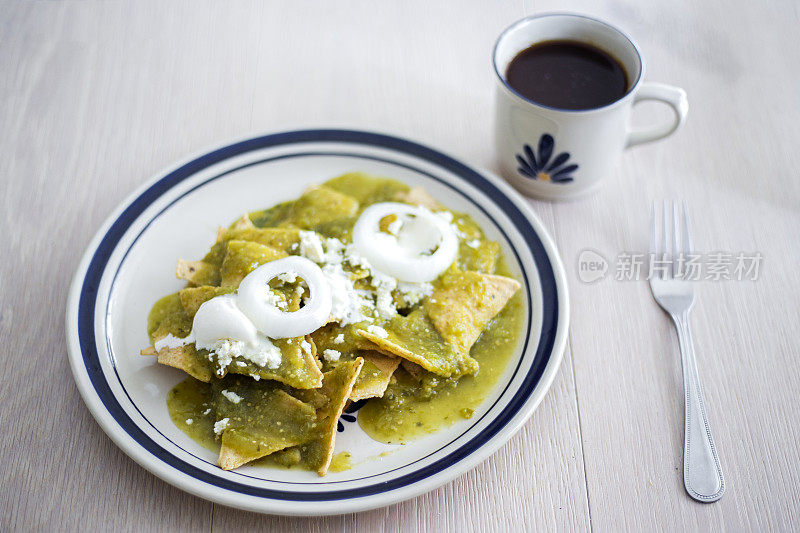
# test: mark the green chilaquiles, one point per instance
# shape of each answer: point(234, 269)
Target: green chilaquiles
point(439, 358)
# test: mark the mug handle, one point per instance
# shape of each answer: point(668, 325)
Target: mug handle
point(674, 97)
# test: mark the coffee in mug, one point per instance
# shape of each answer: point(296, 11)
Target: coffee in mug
point(566, 87)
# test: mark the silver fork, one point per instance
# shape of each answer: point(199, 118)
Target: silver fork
point(702, 474)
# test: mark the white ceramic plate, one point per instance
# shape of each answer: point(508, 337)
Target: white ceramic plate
point(130, 262)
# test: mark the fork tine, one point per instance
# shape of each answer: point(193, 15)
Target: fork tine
point(676, 250)
point(665, 274)
point(687, 242)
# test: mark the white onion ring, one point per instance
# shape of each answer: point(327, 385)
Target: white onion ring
point(386, 254)
point(270, 320)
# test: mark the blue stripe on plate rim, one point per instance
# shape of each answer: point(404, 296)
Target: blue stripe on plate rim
point(106, 246)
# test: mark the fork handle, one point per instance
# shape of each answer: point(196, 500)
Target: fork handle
point(702, 474)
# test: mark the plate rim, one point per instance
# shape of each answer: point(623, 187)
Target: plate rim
point(208, 491)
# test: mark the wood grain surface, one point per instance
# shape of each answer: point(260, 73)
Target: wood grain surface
point(98, 96)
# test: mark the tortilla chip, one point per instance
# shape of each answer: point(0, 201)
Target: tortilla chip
point(378, 367)
point(286, 239)
point(166, 308)
point(419, 196)
point(319, 205)
point(443, 365)
point(299, 368)
point(414, 369)
point(243, 223)
point(288, 457)
point(464, 303)
point(216, 254)
point(480, 255)
point(325, 338)
point(341, 228)
point(168, 317)
point(371, 190)
point(337, 386)
point(193, 297)
point(230, 459)
point(272, 216)
point(183, 358)
point(268, 419)
point(264, 420)
point(197, 272)
point(374, 376)
point(415, 338)
point(242, 258)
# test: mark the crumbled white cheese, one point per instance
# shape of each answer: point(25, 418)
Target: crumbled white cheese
point(457, 228)
point(275, 299)
point(263, 353)
point(474, 243)
point(334, 250)
point(232, 396)
point(377, 331)
point(287, 277)
point(331, 355)
point(329, 251)
point(346, 302)
point(241, 363)
point(226, 350)
point(385, 303)
point(221, 425)
point(413, 293)
point(305, 346)
point(339, 338)
point(255, 376)
point(171, 341)
point(355, 259)
point(384, 285)
point(447, 216)
point(189, 421)
point(207, 411)
point(352, 305)
point(311, 246)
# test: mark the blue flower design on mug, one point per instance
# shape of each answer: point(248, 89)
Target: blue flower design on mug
point(542, 168)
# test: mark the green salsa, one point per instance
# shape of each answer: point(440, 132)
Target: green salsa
point(341, 462)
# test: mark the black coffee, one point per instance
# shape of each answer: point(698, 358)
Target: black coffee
point(567, 75)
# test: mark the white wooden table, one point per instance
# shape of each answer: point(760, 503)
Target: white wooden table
point(98, 96)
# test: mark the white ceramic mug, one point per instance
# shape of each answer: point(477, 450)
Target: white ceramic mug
point(558, 154)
